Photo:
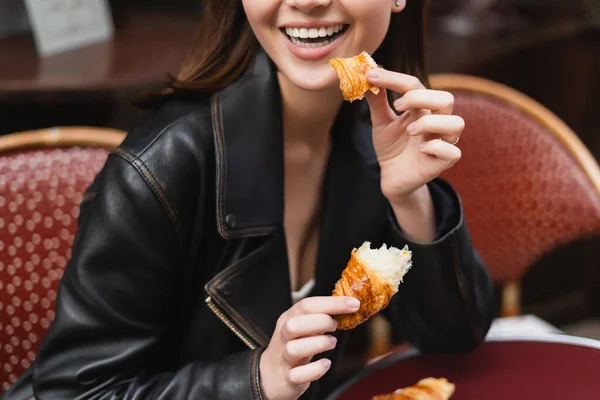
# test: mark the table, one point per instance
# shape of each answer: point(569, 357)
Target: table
point(144, 50)
point(92, 85)
point(548, 367)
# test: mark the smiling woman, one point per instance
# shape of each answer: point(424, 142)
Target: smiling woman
point(225, 43)
point(250, 183)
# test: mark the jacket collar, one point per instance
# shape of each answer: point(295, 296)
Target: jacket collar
point(247, 128)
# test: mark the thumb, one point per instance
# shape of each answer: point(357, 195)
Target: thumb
point(381, 113)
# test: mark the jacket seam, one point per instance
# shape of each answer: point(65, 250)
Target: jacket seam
point(152, 183)
point(220, 161)
point(165, 129)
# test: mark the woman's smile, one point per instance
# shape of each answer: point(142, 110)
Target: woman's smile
point(315, 40)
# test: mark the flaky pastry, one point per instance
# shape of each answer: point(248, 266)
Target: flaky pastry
point(352, 75)
point(425, 389)
point(372, 276)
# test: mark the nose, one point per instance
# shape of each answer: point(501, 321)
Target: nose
point(308, 5)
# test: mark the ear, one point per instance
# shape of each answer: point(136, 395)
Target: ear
point(398, 5)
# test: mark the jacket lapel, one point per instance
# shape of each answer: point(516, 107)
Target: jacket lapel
point(247, 129)
point(254, 291)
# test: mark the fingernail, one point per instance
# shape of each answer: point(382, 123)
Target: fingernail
point(335, 324)
point(353, 302)
point(333, 340)
point(411, 128)
point(398, 104)
point(422, 146)
point(326, 363)
point(373, 73)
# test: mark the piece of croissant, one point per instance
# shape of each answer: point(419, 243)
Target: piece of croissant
point(373, 277)
point(351, 73)
point(425, 389)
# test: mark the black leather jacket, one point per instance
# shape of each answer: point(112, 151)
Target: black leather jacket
point(179, 268)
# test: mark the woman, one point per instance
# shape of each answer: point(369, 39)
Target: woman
point(253, 180)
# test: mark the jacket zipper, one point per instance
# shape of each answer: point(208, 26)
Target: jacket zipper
point(247, 341)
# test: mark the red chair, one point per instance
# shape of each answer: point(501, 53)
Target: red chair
point(527, 182)
point(43, 175)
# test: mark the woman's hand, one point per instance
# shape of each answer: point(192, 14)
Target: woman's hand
point(408, 146)
point(286, 370)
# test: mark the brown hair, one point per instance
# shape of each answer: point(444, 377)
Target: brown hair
point(225, 46)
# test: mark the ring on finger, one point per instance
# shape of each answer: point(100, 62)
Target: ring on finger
point(455, 142)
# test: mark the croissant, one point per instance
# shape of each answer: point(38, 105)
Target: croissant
point(373, 277)
point(425, 389)
point(351, 73)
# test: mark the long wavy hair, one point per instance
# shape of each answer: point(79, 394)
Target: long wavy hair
point(225, 45)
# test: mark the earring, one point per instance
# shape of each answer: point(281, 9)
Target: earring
point(397, 3)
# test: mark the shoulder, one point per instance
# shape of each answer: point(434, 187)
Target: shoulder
point(173, 151)
point(174, 122)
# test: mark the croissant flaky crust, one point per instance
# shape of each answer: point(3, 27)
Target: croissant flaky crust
point(425, 389)
point(372, 276)
point(352, 75)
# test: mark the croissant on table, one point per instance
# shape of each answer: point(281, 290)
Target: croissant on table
point(352, 75)
point(372, 276)
point(425, 389)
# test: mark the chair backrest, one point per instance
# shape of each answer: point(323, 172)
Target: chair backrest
point(528, 184)
point(43, 175)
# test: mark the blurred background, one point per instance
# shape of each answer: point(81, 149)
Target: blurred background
point(548, 50)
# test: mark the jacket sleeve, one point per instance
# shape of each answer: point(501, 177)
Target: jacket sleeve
point(446, 302)
point(114, 306)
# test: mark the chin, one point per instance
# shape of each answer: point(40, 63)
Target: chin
point(313, 80)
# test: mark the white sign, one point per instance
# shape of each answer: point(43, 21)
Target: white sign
point(61, 25)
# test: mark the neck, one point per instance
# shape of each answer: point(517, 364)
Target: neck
point(308, 116)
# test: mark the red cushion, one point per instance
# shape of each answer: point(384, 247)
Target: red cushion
point(40, 193)
point(523, 192)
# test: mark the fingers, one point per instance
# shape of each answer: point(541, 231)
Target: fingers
point(297, 350)
point(305, 374)
point(381, 112)
point(437, 101)
point(395, 81)
point(330, 305)
point(306, 325)
point(444, 151)
point(449, 127)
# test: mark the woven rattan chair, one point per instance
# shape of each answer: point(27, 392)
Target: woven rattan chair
point(43, 175)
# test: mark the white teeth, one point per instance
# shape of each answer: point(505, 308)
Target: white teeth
point(300, 43)
point(312, 33)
